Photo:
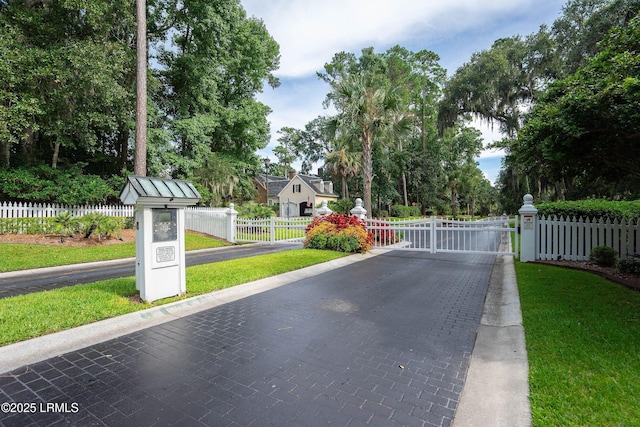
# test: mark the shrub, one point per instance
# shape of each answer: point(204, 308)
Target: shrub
point(604, 256)
point(400, 211)
point(342, 206)
point(628, 265)
point(338, 232)
point(253, 210)
point(592, 208)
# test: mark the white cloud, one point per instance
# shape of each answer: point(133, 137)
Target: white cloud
point(311, 32)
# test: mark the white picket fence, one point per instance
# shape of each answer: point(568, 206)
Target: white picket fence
point(13, 215)
point(37, 210)
point(213, 221)
point(574, 238)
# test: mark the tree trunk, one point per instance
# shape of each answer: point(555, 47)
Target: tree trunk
point(404, 189)
point(123, 147)
point(140, 158)
point(454, 202)
point(56, 152)
point(367, 171)
point(5, 147)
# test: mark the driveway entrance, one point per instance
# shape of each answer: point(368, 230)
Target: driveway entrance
point(384, 341)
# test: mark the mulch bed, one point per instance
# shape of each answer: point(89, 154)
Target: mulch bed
point(630, 281)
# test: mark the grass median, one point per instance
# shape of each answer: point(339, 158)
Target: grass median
point(23, 256)
point(28, 316)
point(583, 343)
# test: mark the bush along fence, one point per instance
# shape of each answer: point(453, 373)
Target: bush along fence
point(33, 218)
point(564, 238)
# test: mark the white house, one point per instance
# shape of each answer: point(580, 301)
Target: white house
point(298, 195)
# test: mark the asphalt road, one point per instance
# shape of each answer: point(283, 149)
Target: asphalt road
point(42, 279)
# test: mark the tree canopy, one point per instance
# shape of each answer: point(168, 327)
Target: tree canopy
point(67, 86)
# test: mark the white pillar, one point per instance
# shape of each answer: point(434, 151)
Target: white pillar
point(528, 228)
point(324, 209)
point(359, 212)
point(232, 215)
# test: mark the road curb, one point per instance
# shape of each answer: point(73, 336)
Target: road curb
point(496, 390)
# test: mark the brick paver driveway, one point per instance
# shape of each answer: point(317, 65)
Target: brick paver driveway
point(385, 341)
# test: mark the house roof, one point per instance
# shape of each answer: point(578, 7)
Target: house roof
point(278, 183)
point(312, 180)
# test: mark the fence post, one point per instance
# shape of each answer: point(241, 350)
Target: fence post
point(359, 212)
point(232, 215)
point(324, 210)
point(528, 229)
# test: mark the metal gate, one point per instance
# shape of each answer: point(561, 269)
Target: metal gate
point(490, 236)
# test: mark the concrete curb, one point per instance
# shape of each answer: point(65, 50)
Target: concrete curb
point(496, 390)
point(14, 356)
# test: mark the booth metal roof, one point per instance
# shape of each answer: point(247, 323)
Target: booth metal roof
point(140, 188)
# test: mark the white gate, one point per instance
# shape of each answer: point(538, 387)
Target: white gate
point(272, 230)
point(490, 236)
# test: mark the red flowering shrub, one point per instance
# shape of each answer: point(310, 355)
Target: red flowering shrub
point(383, 234)
point(338, 232)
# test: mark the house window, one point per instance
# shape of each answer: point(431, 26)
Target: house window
point(297, 188)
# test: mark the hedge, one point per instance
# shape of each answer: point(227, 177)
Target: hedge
point(592, 208)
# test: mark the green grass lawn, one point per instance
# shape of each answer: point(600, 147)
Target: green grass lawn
point(28, 316)
point(583, 342)
point(22, 257)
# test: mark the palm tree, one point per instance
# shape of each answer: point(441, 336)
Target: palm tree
point(365, 102)
point(344, 165)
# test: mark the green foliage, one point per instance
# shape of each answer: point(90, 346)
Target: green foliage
point(100, 224)
point(27, 226)
point(341, 206)
point(44, 184)
point(628, 265)
point(67, 94)
point(65, 223)
point(604, 256)
point(592, 209)
point(252, 210)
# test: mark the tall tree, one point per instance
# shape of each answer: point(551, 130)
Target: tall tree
point(140, 157)
point(367, 101)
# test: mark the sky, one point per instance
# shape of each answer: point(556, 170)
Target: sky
point(310, 32)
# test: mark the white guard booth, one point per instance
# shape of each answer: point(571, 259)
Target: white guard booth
point(159, 221)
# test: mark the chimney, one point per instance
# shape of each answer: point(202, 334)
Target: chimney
point(320, 186)
point(292, 173)
point(330, 187)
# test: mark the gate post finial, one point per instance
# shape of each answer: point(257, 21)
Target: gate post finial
point(528, 228)
point(359, 212)
point(324, 209)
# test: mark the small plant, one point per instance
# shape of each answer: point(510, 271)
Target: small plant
point(338, 232)
point(65, 224)
point(628, 265)
point(98, 223)
point(604, 256)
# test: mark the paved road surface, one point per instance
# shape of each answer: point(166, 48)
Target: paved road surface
point(384, 341)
